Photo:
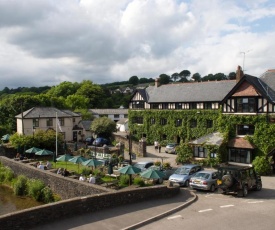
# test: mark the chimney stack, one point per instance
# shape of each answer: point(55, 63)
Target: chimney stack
point(157, 82)
point(239, 74)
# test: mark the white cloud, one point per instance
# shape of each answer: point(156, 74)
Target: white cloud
point(47, 42)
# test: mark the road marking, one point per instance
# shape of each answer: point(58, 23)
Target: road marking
point(174, 217)
point(227, 206)
point(206, 210)
point(255, 202)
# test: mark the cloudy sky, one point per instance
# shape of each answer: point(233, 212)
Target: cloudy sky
point(47, 42)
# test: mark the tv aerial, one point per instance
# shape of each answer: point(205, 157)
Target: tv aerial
point(244, 53)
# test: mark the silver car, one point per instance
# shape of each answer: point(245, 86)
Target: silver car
point(183, 174)
point(171, 148)
point(204, 180)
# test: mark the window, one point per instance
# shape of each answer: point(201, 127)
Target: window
point(200, 152)
point(116, 116)
point(178, 122)
point(165, 106)
point(245, 129)
point(207, 105)
point(192, 105)
point(209, 124)
point(155, 106)
point(62, 121)
point(125, 115)
point(240, 156)
point(138, 104)
point(178, 106)
point(138, 120)
point(193, 123)
point(164, 137)
point(35, 122)
point(163, 121)
point(49, 122)
point(153, 121)
point(246, 105)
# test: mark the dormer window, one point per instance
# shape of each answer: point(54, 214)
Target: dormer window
point(246, 105)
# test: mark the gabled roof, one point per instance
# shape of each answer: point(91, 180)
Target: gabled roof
point(86, 124)
point(215, 138)
point(258, 84)
point(240, 142)
point(268, 80)
point(122, 121)
point(108, 111)
point(47, 112)
point(190, 92)
point(142, 92)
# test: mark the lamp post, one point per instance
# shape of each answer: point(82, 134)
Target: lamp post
point(130, 148)
point(33, 131)
point(95, 146)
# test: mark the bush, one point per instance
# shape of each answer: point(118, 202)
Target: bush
point(166, 165)
point(184, 153)
point(139, 181)
point(157, 163)
point(35, 189)
point(47, 195)
point(123, 180)
point(20, 187)
point(86, 171)
point(262, 165)
point(6, 174)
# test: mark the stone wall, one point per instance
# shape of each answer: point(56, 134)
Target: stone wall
point(65, 209)
point(138, 148)
point(64, 186)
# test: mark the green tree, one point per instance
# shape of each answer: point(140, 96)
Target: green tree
point(232, 76)
point(196, 77)
point(184, 153)
point(103, 126)
point(91, 91)
point(134, 80)
point(175, 77)
point(64, 89)
point(164, 79)
point(184, 75)
point(77, 102)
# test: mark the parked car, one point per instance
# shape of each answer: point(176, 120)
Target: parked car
point(143, 165)
point(100, 141)
point(171, 148)
point(204, 180)
point(183, 174)
point(238, 179)
point(89, 140)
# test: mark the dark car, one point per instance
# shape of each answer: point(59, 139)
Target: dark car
point(100, 141)
point(89, 140)
point(238, 179)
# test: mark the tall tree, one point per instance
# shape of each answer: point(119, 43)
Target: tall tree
point(232, 76)
point(175, 77)
point(164, 79)
point(134, 80)
point(103, 126)
point(184, 75)
point(196, 77)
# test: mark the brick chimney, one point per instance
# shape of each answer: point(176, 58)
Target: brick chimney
point(239, 73)
point(157, 82)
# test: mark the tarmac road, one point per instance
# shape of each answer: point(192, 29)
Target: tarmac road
point(133, 215)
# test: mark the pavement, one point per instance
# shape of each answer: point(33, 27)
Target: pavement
point(131, 216)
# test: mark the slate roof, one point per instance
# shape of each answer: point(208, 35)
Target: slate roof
point(108, 111)
point(47, 112)
point(86, 124)
point(190, 92)
point(268, 80)
point(215, 138)
point(122, 121)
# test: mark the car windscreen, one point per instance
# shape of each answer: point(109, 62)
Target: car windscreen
point(202, 175)
point(182, 171)
point(141, 166)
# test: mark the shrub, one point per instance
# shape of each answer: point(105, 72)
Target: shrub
point(262, 165)
point(47, 195)
point(184, 153)
point(123, 180)
point(139, 181)
point(20, 187)
point(166, 165)
point(86, 171)
point(35, 189)
point(157, 163)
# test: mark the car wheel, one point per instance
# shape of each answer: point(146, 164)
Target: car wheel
point(186, 183)
point(259, 186)
point(212, 188)
point(227, 180)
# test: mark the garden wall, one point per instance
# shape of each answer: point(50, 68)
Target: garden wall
point(64, 186)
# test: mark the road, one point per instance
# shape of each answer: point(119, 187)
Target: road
point(226, 212)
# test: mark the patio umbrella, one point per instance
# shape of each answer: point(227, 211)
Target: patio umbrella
point(5, 137)
point(78, 160)
point(44, 152)
point(152, 174)
point(65, 158)
point(129, 169)
point(92, 162)
point(33, 150)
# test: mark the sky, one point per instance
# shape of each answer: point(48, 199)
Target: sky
point(44, 43)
